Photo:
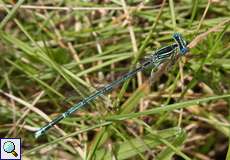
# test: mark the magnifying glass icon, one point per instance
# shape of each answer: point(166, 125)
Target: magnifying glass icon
point(9, 147)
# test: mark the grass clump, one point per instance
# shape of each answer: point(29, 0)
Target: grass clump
point(52, 50)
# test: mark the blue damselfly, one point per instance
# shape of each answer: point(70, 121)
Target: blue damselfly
point(154, 60)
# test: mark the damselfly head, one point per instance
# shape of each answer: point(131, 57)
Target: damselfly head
point(182, 44)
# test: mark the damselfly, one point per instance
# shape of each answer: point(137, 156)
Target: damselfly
point(154, 60)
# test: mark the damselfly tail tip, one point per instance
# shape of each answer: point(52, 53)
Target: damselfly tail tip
point(38, 133)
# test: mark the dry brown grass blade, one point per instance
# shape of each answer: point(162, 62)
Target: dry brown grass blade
point(202, 36)
point(30, 106)
point(43, 115)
